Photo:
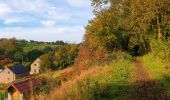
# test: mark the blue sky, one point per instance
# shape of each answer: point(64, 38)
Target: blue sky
point(44, 20)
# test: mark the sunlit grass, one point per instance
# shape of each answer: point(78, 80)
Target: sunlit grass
point(155, 66)
point(159, 71)
point(99, 82)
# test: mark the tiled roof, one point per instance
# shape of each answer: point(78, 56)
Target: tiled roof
point(19, 69)
point(28, 85)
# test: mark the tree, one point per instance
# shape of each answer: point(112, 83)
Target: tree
point(34, 54)
point(123, 24)
point(47, 61)
point(10, 48)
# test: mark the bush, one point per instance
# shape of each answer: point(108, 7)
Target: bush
point(161, 50)
point(48, 85)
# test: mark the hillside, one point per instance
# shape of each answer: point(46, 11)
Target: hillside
point(124, 55)
point(98, 82)
point(123, 79)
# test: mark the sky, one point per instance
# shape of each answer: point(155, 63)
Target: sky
point(44, 20)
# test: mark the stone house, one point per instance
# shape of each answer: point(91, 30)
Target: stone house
point(10, 74)
point(22, 90)
point(35, 67)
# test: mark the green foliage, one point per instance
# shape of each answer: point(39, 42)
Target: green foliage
point(34, 54)
point(2, 94)
point(161, 50)
point(11, 48)
point(155, 65)
point(46, 61)
point(60, 58)
point(123, 24)
point(48, 84)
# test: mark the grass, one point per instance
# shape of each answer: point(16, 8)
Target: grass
point(155, 66)
point(160, 71)
point(2, 94)
point(34, 46)
point(56, 74)
point(105, 83)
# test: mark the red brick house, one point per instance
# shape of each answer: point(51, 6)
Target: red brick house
point(10, 74)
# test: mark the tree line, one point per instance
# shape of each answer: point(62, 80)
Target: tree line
point(53, 56)
point(134, 26)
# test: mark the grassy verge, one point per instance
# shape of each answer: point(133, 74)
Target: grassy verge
point(159, 70)
point(108, 82)
point(155, 66)
point(2, 94)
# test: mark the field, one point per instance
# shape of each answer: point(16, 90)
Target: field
point(36, 46)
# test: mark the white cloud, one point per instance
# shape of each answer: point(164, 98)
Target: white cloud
point(54, 13)
point(48, 23)
point(21, 14)
point(32, 6)
point(18, 10)
point(79, 3)
point(4, 9)
point(70, 34)
point(13, 20)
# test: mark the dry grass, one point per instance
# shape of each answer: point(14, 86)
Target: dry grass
point(63, 92)
point(92, 83)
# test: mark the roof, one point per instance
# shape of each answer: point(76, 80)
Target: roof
point(19, 69)
point(37, 61)
point(24, 86)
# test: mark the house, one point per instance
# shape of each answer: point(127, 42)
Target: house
point(35, 67)
point(22, 90)
point(10, 74)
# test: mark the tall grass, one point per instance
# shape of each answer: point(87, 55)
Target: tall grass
point(155, 66)
point(159, 70)
point(108, 82)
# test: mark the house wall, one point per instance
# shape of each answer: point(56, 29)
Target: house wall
point(7, 76)
point(15, 96)
point(35, 67)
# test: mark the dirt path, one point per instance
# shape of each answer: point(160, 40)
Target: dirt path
point(146, 87)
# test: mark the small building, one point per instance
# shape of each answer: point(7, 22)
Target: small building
point(10, 74)
point(22, 90)
point(35, 67)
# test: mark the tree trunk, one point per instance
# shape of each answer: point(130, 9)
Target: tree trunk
point(159, 28)
point(158, 23)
